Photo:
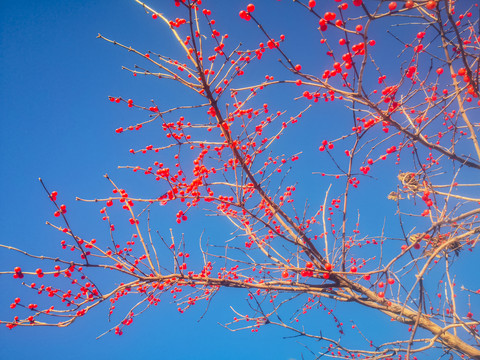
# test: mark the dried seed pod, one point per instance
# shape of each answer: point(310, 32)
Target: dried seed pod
point(409, 181)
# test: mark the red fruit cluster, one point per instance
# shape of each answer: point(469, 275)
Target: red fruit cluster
point(18, 273)
point(245, 15)
point(426, 198)
point(325, 144)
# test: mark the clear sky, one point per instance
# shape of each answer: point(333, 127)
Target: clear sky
point(57, 124)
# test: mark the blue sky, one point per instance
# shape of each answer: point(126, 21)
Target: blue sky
point(58, 124)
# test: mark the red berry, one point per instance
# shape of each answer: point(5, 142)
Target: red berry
point(312, 3)
point(285, 274)
point(18, 269)
point(409, 4)
point(329, 16)
point(431, 5)
point(392, 6)
point(353, 269)
point(309, 265)
point(250, 8)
